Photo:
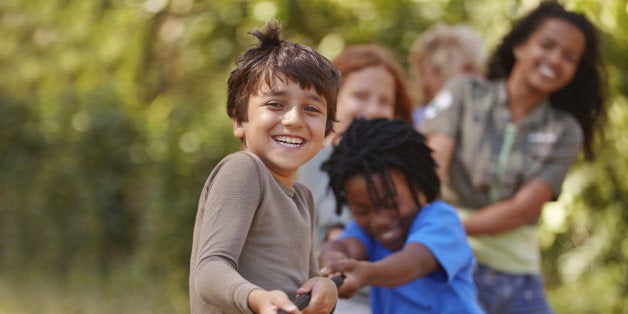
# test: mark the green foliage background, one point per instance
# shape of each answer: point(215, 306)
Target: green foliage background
point(112, 115)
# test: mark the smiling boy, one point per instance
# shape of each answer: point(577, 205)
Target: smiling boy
point(253, 246)
point(408, 246)
point(285, 127)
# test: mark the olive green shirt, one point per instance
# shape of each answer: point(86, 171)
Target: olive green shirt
point(494, 158)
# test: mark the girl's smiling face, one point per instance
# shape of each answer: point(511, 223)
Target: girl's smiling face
point(368, 93)
point(388, 225)
point(548, 60)
point(285, 127)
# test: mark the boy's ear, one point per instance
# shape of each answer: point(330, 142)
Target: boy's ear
point(238, 128)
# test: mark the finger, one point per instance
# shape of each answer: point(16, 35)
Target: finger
point(346, 291)
point(306, 287)
point(330, 268)
point(348, 288)
point(331, 257)
point(325, 271)
point(283, 302)
point(288, 308)
point(324, 296)
point(271, 309)
point(336, 267)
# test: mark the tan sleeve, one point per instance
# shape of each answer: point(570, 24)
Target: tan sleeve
point(232, 195)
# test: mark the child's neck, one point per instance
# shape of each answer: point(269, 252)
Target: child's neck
point(287, 181)
point(521, 100)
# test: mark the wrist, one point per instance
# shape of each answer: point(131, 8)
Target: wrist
point(368, 273)
point(253, 299)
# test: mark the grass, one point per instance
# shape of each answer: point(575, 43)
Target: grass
point(90, 294)
point(135, 292)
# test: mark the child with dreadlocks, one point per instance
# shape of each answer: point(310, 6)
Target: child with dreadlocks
point(253, 246)
point(408, 246)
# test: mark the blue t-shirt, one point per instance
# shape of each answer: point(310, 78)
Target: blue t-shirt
point(450, 289)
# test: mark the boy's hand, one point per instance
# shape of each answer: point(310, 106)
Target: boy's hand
point(269, 302)
point(356, 273)
point(324, 295)
point(331, 256)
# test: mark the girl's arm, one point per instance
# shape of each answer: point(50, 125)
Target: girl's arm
point(521, 209)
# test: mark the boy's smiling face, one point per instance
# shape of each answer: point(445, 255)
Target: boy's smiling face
point(285, 127)
point(390, 224)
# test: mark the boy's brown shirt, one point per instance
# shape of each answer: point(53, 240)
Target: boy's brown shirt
point(249, 222)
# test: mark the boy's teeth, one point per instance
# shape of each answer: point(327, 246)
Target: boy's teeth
point(388, 234)
point(289, 140)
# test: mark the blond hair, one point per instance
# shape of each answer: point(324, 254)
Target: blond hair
point(443, 47)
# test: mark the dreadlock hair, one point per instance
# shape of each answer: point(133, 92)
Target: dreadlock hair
point(376, 147)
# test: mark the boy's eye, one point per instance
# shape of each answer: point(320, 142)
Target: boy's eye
point(274, 104)
point(312, 109)
point(359, 211)
point(390, 208)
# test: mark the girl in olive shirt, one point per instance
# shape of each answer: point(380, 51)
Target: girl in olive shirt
point(505, 145)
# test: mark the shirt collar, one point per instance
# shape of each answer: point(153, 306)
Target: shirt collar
point(536, 117)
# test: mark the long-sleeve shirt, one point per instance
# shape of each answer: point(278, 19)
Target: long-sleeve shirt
point(250, 231)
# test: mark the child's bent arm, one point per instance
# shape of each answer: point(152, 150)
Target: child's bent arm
point(217, 283)
point(523, 208)
point(413, 261)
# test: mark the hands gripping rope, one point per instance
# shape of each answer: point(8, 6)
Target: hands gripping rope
point(304, 299)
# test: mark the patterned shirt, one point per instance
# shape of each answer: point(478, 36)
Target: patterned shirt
point(494, 158)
